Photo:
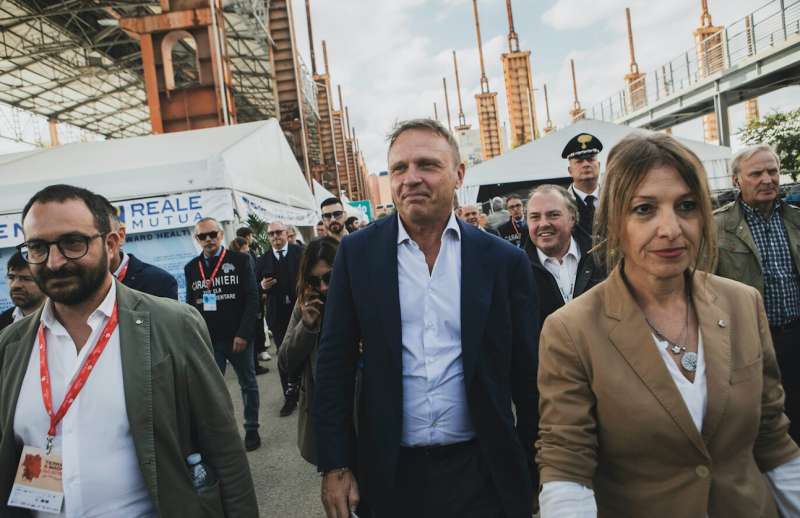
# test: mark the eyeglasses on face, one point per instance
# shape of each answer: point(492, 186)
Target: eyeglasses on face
point(515, 206)
point(275, 233)
point(316, 281)
point(202, 236)
point(336, 214)
point(71, 246)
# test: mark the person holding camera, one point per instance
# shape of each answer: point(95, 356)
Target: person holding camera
point(300, 345)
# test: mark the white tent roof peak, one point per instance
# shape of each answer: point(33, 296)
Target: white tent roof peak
point(251, 158)
point(541, 160)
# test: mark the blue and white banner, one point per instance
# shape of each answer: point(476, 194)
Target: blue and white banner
point(167, 249)
point(270, 211)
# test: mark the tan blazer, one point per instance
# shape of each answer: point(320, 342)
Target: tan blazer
point(613, 419)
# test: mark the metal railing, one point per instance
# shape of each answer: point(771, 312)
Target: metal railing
point(715, 51)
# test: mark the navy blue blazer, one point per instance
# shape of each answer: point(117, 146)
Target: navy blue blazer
point(499, 338)
point(150, 279)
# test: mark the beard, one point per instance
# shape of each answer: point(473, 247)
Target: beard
point(335, 227)
point(89, 280)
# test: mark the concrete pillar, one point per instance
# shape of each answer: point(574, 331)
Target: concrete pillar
point(723, 123)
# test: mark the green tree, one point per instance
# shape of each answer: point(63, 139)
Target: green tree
point(260, 238)
point(782, 131)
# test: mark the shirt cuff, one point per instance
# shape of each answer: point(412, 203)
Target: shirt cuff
point(785, 484)
point(562, 499)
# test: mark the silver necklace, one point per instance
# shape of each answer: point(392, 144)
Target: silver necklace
point(688, 358)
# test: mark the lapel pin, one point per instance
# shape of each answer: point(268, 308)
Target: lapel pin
point(139, 321)
point(722, 323)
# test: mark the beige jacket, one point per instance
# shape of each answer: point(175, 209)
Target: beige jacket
point(613, 419)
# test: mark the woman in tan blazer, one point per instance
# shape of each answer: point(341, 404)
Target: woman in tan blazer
point(659, 391)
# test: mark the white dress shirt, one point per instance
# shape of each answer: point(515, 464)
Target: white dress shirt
point(285, 251)
point(101, 473)
point(435, 408)
point(582, 195)
point(564, 271)
point(17, 314)
point(122, 264)
point(562, 499)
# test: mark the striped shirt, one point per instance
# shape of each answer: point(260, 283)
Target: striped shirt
point(781, 280)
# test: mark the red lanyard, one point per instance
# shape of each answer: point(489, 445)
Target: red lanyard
point(209, 282)
point(514, 224)
point(78, 381)
point(123, 271)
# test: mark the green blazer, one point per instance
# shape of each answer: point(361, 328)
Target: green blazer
point(176, 400)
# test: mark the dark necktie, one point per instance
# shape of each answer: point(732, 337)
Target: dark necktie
point(280, 255)
point(590, 201)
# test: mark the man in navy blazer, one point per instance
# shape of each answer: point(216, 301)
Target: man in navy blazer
point(133, 272)
point(438, 322)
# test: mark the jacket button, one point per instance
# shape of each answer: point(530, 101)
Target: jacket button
point(702, 471)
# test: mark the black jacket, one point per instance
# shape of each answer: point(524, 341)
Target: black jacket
point(237, 297)
point(589, 275)
point(282, 296)
point(585, 213)
point(513, 233)
point(7, 318)
point(150, 279)
point(499, 341)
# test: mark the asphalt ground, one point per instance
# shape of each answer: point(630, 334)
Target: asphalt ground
point(286, 485)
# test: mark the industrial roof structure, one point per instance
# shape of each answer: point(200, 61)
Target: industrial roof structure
point(70, 61)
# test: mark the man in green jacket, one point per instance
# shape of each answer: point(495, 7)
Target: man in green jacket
point(759, 245)
point(115, 387)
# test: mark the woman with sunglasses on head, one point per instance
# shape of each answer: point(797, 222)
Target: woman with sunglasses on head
point(659, 391)
point(299, 350)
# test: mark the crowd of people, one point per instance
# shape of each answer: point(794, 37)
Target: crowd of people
point(604, 349)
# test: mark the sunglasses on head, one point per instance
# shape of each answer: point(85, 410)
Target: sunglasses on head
point(316, 282)
point(335, 214)
point(207, 235)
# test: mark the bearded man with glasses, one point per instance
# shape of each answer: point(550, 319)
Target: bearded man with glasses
point(221, 285)
point(333, 217)
point(109, 389)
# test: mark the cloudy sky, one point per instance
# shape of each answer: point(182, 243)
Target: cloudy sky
point(390, 55)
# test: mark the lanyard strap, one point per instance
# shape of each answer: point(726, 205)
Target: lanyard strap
point(77, 382)
point(210, 281)
point(123, 271)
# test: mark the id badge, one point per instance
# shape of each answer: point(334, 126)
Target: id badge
point(38, 484)
point(209, 301)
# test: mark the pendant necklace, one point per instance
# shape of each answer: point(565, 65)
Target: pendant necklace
point(688, 358)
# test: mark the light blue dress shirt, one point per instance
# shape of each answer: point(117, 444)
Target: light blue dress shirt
point(435, 410)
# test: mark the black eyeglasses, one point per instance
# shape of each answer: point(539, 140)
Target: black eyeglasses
point(275, 233)
point(207, 235)
point(71, 246)
point(316, 282)
point(335, 214)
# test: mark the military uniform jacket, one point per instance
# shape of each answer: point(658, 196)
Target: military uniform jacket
point(738, 254)
point(585, 213)
point(237, 296)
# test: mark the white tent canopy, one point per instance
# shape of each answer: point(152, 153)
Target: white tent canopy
point(252, 159)
point(541, 160)
point(322, 194)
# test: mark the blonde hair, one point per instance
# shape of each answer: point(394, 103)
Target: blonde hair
point(628, 164)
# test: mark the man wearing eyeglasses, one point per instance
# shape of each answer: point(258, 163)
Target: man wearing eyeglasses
point(515, 228)
point(25, 294)
point(334, 217)
point(221, 285)
point(277, 271)
point(108, 389)
point(584, 168)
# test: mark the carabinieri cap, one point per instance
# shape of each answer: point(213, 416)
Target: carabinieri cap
point(581, 145)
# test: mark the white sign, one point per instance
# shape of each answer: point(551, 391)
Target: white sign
point(147, 214)
point(270, 211)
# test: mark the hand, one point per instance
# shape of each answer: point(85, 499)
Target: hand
point(339, 493)
point(268, 282)
point(239, 344)
point(311, 311)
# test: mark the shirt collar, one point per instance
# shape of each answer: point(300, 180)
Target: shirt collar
point(573, 251)
point(105, 309)
point(122, 264)
point(582, 195)
point(285, 250)
point(452, 227)
point(219, 251)
point(17, 314)
point(750, 211)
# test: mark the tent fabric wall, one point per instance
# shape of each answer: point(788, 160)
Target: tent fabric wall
point(540, 160)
